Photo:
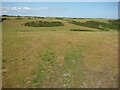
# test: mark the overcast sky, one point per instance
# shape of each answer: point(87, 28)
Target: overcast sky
point(62, 9)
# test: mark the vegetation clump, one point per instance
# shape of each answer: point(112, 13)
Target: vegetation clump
point(111, 24)
point(2, 19)
point(40, 17)
point(44, 24)
point(59, 18)
point(80, 30)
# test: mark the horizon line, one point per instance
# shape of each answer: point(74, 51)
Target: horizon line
point(56, 16)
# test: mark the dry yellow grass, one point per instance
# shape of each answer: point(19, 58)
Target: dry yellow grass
point(61, 58)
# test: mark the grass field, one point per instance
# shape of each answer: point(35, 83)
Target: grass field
point(57, 57)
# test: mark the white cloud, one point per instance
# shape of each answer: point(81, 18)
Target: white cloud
point(24, 9)
point(14, 8)
point(27, 8)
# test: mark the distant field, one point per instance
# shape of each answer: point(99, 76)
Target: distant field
point(63, 56)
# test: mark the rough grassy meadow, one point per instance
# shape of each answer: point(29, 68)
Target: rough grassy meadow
point(58, 57)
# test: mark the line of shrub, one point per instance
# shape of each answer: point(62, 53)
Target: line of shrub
point(40, 17)
point(43, 24)
point(59, 18)
point(81, 30)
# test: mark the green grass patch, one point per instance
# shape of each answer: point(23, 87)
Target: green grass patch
point(40, 76)
point(73, 55)
point(47, 55)
point(74, 66)
point(45, 68)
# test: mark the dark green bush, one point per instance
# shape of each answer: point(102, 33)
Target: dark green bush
point(59, 18)
point(80, 30)
point(2, 19)
point(43, 24)
point(41, 17)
